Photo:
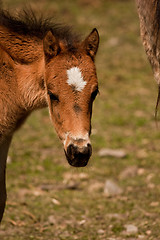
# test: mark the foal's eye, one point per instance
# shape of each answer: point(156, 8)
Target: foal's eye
point(53, 97)
point(94, 94)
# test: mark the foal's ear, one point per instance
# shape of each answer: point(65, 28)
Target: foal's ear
point(91, 43)
point(50, 45)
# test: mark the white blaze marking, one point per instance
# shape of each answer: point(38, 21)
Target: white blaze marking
point(70, 137)
point(75, 79)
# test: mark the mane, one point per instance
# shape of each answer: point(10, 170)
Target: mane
point(27, 23)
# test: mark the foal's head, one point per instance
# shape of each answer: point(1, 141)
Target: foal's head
point(72, 86)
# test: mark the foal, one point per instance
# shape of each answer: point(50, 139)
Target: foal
point(45, 65)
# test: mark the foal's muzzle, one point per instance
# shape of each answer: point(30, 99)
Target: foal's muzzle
point(78, 156)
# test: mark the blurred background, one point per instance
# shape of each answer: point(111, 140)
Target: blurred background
point(117, 195)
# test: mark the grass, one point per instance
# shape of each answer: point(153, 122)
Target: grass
point(123, 117)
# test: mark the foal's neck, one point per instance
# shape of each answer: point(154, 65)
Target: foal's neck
point(27, 57)
point(23, 49)
point(31, 85)
point(22, 78)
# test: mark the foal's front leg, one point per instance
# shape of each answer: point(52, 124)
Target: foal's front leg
point(3, 157)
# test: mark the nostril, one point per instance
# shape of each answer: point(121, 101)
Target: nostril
point(89, 147)
point(71, 149)
point(85, 150)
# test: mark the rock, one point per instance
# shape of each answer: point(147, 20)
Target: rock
point(148, 232)
point(154, 204)
point(82, 222)
point(118, 153)
point(51, 220)
point(100, 231)
point(112, 189)
point(151, 185)
point(131, 229)
point(9, 160)
point(55, 201)
point(141, 171)
point(115, 216)
point(75, 176)
point(83, 176)
point(37, 192)
point(141, 237)
point(129, 172)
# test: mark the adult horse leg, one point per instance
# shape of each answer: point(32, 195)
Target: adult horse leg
point(3, 157)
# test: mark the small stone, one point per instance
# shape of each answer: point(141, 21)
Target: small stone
point(118, 153)
point(148, 232)
point(154, 204)
point(100, 231)
point(151, 185)
point(82, 222)
point(131, 229)
point(9, 160)
point(37, 192)
point(83, 176)
point(115, 216)
point(51, 220)
point(141, 237)
point(129, 172)
point(55, 201)
point(141, 171)
point(112, 189)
